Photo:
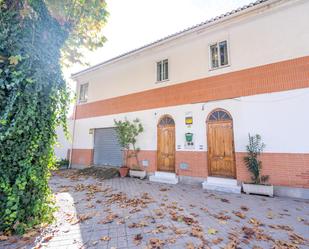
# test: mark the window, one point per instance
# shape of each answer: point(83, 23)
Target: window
point(83, 92)
point(219, 115)
point(219, 54)
point(162, 70)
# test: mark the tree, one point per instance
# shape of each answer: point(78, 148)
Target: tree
point(128, 132)
point(35, 35)
point(254, 165)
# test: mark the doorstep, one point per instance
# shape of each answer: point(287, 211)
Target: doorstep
point(164, 177)
point(222, 184)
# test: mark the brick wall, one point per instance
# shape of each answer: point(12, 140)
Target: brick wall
point(197, 162)
point(284, 169)
point(150, 156)
point(82, 156)
point(275, 77)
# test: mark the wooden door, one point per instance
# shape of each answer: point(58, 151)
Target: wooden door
point(166, 145)
point(221, 156)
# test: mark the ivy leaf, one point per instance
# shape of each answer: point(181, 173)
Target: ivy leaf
point(14, 59)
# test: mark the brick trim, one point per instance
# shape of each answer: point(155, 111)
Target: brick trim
point(284, 169)
point(275, 77)
point(82, 156)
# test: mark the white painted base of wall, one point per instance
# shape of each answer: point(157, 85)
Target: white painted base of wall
point(191, 180)
point(222, 185)
point(164, 177)
point(302, 193)
point(78, 166)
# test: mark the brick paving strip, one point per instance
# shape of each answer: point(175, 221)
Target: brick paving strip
point(132, 213)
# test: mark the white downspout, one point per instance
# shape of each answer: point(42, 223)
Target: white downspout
point(73, 131)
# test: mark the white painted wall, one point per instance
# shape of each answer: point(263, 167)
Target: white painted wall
point(261, 37)
point(63, 144)
point(280, 118)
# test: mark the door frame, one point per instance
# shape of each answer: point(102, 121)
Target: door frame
point(174, 148)
point(208, 142)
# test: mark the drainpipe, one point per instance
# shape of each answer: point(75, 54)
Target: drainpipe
point(73, 132)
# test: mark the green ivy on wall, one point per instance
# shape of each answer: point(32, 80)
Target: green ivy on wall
point(33, 101)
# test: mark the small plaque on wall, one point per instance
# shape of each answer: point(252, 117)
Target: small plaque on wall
point(189, 120)
point(183, 165)
point(145, 163)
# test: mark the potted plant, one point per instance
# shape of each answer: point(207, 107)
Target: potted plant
point(259, 182)
point(127, 134)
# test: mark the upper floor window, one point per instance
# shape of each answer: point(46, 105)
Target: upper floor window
point(218, 54)
point(162, 70)
point(83, 92)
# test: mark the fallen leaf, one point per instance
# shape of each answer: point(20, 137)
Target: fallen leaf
point(297, 239)
point(47, 238)
point(270, 215)
point(244, 208)
point(281, 244)
point(225, 200)
point(188, 220)
point(239, 214)
point(155, 243)
point(255, 222)
point(197, 231)
point(95, 242)
point(300, 219)
point(30, 234)
point(105, 238)
point(212, 231)
point(249, 232)
point(217, 241)
point(282, 227)
point(190, 245)
point(171, 240)
point(3, 237)
point(222, 216)
point(137, 239)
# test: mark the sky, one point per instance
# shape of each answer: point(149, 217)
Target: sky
point(134, 23)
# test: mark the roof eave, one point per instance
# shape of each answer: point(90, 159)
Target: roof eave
point(209, 23)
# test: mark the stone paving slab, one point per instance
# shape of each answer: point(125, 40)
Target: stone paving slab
point(132, 213)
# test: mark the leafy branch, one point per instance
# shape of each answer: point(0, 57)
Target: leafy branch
point(128, 132)
point(254, 165)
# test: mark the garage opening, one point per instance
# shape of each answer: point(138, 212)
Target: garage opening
point(107, 150)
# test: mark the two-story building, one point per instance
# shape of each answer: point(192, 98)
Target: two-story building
point(201, 91)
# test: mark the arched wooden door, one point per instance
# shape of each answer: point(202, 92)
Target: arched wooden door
point(166, 144)
point(220, 140)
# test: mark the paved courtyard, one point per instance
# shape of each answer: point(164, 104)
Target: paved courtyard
point(133, 213)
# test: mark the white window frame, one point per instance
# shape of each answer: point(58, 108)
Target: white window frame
point(85, 94)
point(219, 57)
point(163, 72)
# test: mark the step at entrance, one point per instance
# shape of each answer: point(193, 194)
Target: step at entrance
point(222, 185)
point(164, 177)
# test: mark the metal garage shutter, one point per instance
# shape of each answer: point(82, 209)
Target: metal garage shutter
point(107, 150)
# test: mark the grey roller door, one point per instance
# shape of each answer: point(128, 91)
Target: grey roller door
point(107, 150)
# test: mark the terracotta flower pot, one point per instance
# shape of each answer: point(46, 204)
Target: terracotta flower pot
point(123, 171)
